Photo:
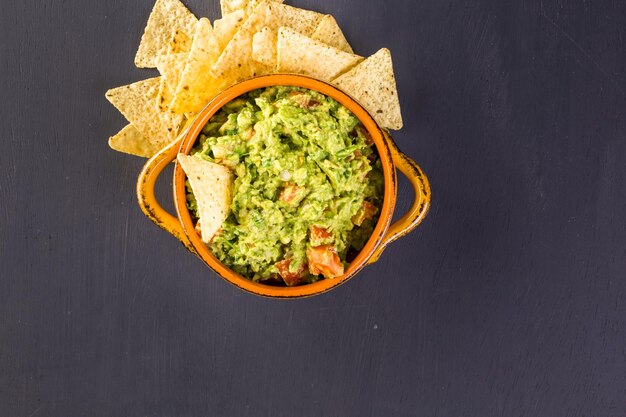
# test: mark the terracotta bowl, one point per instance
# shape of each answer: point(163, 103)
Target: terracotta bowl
point(181, 226)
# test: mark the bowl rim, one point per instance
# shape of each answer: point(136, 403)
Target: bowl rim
point(389, 197)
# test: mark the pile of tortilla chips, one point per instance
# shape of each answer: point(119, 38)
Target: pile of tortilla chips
point(198, 60)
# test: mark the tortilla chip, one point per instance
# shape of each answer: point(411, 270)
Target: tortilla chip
point(165, 96)
point(129, 140)
point(236, 63)
point(248, 6)
point(300, 20)
point(212, 186)
point(252, 4)
point(302, 55)
point(167, 16)
point(372, 83)
point(197, 86)
point(226, 27)
point(264, 47)
point(171, 67)
point(329, 32)
point(229, 6)
point(180, 42)
point(137, 103)
point(191, 116)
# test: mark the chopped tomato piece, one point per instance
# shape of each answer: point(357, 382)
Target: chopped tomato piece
point(366, 212)
point(303, 100)
point(289, 193)
point(319, 236)
point(369, 209)
point(199, 229)
point(319, 233)
point(219, 232)
point(324, 260)
point(290, 278)
point(368, 138)
point(249, 134)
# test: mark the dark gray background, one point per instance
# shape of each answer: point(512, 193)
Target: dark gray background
point(508, 301)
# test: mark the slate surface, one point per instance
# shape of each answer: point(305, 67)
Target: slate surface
point(508, 301)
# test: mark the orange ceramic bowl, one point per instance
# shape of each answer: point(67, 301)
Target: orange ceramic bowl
point(384, 233)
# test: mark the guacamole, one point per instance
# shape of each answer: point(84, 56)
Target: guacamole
point(307, 189)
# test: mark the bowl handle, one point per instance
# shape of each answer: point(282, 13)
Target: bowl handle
point(147, 200)
point(420, 206)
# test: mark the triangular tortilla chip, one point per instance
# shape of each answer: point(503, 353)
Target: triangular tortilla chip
point(264, 47)
point(252, 4)
point(197, 86)
point(372, 83)
point(165, 96)
point(248, 6)
point(226, 27)
point(180, 42)
point(191, 116)
point(300, 20)
point(137, 103)
point(171, 67)
point(230, 6)
point(329, 32)
point(129, 140)
point(212, 187)
point(302, 55)
point(167, 16)
point(236, 63)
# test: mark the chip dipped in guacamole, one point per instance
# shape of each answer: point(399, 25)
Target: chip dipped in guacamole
point(307, 186)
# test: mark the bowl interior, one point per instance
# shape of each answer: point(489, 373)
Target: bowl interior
point(388, 171)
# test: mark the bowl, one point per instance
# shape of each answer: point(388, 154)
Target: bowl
point(181, 226)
